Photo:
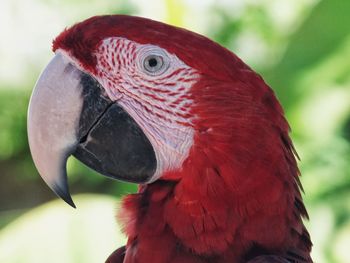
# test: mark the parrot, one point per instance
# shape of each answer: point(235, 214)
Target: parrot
point(199, 131)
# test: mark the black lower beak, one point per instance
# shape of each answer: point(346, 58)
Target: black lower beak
point(111, 142)
point(86, 124)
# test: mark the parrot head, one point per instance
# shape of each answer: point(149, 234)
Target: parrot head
point(144, 102)
point(120, 104)
point(122, 96)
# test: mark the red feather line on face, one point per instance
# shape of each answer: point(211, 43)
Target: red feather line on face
point(237, 195)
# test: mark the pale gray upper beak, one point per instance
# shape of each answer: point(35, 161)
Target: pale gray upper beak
point(53, 117)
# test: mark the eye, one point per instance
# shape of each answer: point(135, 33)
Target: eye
point(153, 63)
point(153, 60)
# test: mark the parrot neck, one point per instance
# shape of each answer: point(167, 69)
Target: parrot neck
point(215, 210)
point(236, 195)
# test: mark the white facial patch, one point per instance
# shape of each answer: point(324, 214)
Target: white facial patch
point(153, 86)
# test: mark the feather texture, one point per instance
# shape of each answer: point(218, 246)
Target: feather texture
point(237, 196)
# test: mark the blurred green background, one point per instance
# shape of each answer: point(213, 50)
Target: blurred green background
point(300, 47)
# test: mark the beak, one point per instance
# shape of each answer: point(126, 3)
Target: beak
point(70, 114)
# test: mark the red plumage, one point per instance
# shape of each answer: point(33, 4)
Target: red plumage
point(236, 197)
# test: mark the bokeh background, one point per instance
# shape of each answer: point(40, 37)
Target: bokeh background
point(300, 47)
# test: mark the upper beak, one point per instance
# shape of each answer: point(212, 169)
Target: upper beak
point(69, 114)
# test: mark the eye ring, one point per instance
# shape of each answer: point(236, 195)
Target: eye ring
point(154, 61)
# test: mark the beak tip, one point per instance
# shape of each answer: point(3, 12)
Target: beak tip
point(64, 194)
point(71, 203)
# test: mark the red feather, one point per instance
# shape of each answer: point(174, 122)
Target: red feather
point(237, 197)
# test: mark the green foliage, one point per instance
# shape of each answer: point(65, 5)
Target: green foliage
point(322, 34)
point(12, 141)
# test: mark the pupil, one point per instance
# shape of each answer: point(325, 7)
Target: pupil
point(152, 62)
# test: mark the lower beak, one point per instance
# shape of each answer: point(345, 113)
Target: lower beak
point(69, 114)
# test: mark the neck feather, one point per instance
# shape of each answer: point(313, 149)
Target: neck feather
point(237, 194)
